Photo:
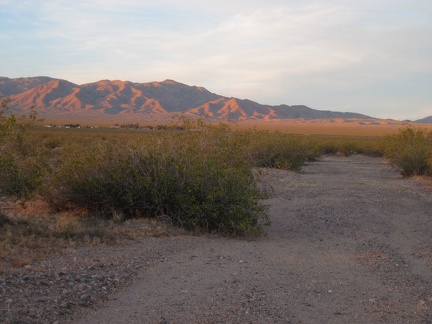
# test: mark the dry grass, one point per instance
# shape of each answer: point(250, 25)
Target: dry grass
point(32, 231)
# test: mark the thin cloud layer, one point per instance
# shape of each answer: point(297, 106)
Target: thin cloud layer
point(371, 57)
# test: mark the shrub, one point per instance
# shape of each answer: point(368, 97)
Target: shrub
point(20, 177)
point(410, 150)
point(275, 150)
point(21, 165)
point(188, 177)
point(13, 128)
point(347, 148)
point(328, 147)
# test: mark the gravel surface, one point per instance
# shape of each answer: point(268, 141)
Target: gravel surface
point(349, 242)
point(52, 290)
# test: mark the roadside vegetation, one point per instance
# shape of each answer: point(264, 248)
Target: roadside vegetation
point(67, 187)
point(410, 151)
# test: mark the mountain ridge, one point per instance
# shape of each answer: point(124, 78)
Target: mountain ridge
point(58, 97)
point(427, 120)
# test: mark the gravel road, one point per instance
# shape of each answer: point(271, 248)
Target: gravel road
point(350, 242)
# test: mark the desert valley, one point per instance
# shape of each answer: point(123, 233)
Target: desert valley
point(166, 203)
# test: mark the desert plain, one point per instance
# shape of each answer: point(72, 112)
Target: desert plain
point(349, 241)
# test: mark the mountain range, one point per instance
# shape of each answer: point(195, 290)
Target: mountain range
point(425, 120)
point(105, 99)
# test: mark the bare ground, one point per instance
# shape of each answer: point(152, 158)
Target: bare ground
point(350, 242)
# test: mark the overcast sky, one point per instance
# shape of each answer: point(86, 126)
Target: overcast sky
point(367, 56)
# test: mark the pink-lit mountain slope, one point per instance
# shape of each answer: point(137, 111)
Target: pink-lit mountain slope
point(57, 98)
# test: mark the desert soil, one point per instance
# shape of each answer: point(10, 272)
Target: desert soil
point(350, 242)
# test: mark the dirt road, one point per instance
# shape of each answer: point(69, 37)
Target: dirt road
point(350, 242)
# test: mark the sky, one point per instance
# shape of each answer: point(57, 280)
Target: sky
point(367, 56)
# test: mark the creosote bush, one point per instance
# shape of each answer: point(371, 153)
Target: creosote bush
point(274, 150)
point(193, 174)
point(410, 150)
point(190, 178)
point(22, 167)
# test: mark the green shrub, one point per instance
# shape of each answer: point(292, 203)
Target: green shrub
point(328, 147)
point(275, 150)
point(22, 166)
point(347, 148)
point(12, 127)
point(20, 177)
point(410, 150)
point(188, 177)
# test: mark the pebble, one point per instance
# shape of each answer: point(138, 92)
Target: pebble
point(46, 295)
